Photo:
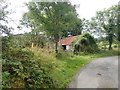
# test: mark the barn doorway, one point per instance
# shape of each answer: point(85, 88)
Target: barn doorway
point(64, 47)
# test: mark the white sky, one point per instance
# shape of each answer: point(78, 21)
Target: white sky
point(86, 10)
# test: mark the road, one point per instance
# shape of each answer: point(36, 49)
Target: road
point(100, 73)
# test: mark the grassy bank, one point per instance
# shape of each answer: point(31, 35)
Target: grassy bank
point(74, 64)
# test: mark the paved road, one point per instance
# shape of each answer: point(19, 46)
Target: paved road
point(100, 73)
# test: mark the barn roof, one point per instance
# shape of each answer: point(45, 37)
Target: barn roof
point(66, 41)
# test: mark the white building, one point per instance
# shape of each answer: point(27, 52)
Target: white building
point(66, 43)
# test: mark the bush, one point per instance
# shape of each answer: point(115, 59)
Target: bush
point(63, 55)
point(115, 45)
point(26, 71)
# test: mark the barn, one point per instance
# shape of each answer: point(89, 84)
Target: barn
point(66, 43)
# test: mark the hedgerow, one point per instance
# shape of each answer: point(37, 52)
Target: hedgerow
point(22, 69)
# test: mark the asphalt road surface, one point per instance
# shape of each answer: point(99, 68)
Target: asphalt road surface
point(100, 73)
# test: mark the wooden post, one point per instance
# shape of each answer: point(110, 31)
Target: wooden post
point(32, 45)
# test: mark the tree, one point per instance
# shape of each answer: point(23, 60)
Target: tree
point(118, 22)
point(75, 29)
point(6, 41)
point(3, 18)
point(86, 26)
point(105, 23)
point(110, 32)
point(54, 18)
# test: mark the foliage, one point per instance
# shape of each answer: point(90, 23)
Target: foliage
point(54, 18)
point(105, 24)
point(26, 40)
point(7, 46)
point(4, 18)
point(37, 68)
point(75, 29)
point(63, 55)
point(26, 71)
point(23, 40)
point(115, 46)
point(118, 20)
point(86, 26)
point(25, 67)
point(70, 66)
point(85, 43)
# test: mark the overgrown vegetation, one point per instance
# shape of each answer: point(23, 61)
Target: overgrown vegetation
point(85, 43)
point(39, 66)
point(26, 69)
point(105, 24)
point(53, 18)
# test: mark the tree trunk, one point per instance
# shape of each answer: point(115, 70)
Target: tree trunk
point(110, 41)
point(56, 37)
point(110, 45)
point(56, 44)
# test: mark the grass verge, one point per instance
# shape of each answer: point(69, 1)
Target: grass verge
point(38, 68)
point(74, 64)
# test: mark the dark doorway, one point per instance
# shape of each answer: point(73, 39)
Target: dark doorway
point(64, 47)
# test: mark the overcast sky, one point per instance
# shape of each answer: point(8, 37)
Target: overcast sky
point(86, 10)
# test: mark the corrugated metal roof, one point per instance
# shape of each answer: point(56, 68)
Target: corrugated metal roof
point(66, 41)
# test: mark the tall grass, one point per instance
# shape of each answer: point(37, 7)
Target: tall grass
point(67, 64)
point(46, 69)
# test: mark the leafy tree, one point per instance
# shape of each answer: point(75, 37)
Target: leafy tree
point(6, 43)
point(3, 18)
point(105, 23)
point(86, 26)
point(75, 29)
point(78, 28)
point(118, 22)
point(110, 32)
point(54, 18)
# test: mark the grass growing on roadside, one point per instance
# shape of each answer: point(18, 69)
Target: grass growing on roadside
point(45, 69)
point(67, 65)
point(72, 65)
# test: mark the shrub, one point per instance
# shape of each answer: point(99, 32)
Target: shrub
point(115, 45)
point(63, 55)
point(26, 71)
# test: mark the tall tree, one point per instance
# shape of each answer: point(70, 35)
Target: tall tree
point(3, 18)
point(75, 29)
point(105, 23)
point(53, 18)
point(86, 26)
point(118, 22)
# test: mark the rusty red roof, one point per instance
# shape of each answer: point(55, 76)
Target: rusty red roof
point(66, 41)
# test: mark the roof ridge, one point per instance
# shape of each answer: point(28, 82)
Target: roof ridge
point(66, 41)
